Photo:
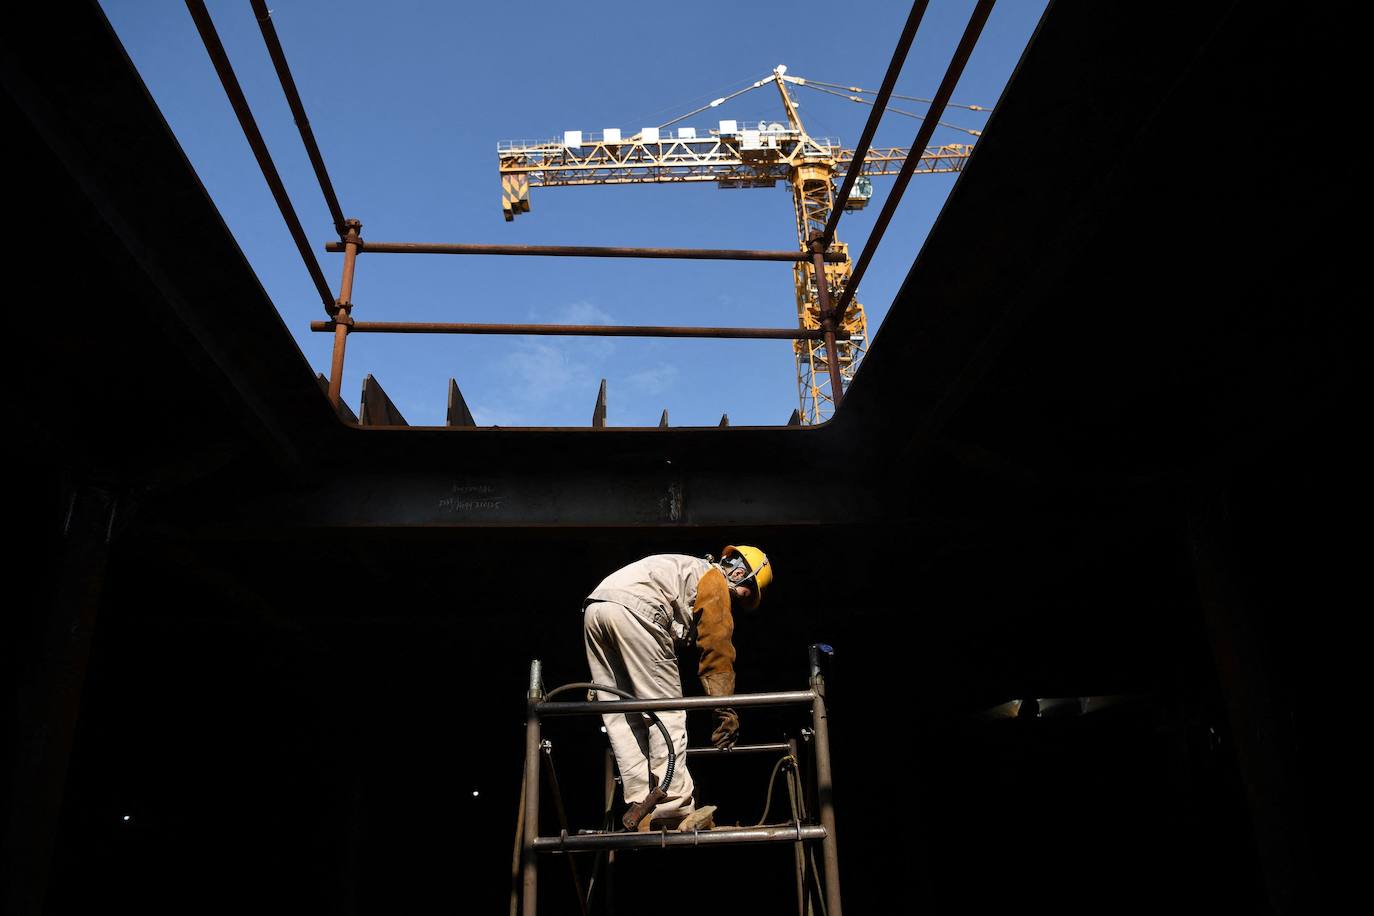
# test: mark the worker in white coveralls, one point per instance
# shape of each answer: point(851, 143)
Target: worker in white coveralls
point(634, 623)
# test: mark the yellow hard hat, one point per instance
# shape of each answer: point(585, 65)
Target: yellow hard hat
point(759, 566)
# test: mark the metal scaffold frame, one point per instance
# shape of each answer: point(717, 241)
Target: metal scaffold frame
point(832, 331)
point(529, 843)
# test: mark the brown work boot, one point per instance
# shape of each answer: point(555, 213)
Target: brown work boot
point(702, 818)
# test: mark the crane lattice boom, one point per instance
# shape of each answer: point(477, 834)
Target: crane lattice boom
point(716, 158)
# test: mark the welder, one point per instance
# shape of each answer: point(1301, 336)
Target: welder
point(634, 623)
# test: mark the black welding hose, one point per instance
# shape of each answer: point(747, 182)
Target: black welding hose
point(626, 695)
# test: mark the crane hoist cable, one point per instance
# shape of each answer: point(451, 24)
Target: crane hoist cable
point(645, 119)
point(910, 114)
point(909, 98)
point(719, 101)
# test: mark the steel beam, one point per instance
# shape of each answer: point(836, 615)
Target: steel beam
point(458, 413)
point(1261, 740)
point(377, 408)
point(599, 410)
point(345, 412)
point(567, 497)
point(47, 724)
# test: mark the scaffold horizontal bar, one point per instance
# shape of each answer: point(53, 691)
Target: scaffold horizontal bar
point(575, 330)
point(663, 839)
point(587, 251)
point(610, 707)
point(780, 747)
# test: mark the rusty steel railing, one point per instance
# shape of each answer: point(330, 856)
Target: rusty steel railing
point(351, 243)
point(529, 843)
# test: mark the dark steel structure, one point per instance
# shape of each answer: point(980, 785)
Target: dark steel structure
point(1104, 445)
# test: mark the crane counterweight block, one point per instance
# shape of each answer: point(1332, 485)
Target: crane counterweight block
point(515, 194)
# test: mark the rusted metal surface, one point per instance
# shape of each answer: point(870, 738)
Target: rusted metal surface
point(352, 244)
point(377, 408)
point(342, 314)
point(894, 69)
point(586, 251)
point(599, 411)
point(830, 318)
point(664, 839)
point(575, 330)
point(458, 413)
point(220, 59)
point(923, 135)
point(293, 99)
point(832, 366)
point(336, 362)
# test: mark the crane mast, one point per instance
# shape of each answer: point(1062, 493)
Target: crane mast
point(738, 155)
point(813, 198)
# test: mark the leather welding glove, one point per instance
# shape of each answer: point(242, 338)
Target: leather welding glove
point(727, 727)
point(715, 627)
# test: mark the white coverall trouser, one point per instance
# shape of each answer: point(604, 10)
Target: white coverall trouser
point(626, 651)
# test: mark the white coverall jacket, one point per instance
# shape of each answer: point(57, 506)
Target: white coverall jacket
point(632, 624)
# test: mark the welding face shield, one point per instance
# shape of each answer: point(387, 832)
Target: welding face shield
point(747, 566)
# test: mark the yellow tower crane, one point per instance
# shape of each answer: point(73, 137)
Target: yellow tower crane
point(740, 154)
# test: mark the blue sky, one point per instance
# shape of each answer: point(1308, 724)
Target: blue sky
point(408, 101)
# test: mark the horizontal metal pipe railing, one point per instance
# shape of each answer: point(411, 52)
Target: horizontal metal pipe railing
point(894, 70)
point(780, 747)
point(611, 707)
point(573, 330)
point(219, 58)
point(962, 52)
point(587, 251)
point(663, 839)
point(293, 101)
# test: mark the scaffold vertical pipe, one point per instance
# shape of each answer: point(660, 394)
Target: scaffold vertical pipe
point(829, 321)
point(798, 848)
point(530, 881)
point(609, 824)
point(825, 793)
point(343, 313)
